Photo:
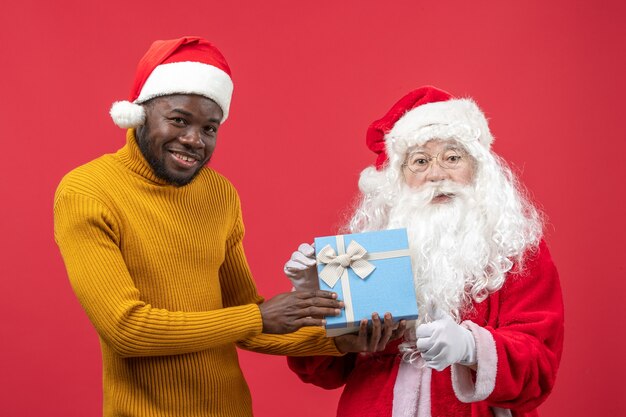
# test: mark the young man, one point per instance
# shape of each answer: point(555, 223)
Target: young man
point(152, 242)
point(489, 337)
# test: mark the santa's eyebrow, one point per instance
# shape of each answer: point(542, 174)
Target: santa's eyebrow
point(447, 147)
point(452, 146)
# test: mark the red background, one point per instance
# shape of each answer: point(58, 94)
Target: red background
point(309, 77)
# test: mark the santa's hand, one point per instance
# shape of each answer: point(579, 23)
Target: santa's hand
point(443, 342)
point(301, 268)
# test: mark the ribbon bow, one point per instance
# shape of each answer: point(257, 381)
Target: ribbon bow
point(355, 258)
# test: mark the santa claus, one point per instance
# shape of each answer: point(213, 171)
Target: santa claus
point(489, 337)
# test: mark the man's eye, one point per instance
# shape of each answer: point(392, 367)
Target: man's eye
point(179, 121)
point(453, 158)
point(420, 161)
point(210, 129)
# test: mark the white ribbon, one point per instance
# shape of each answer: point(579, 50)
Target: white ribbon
point(354, 258)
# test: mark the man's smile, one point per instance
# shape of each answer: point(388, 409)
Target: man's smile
point(185, 159)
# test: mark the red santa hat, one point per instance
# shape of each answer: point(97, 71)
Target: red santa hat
point(424, 114)
point(188, 65)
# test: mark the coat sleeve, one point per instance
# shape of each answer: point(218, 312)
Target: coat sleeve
point(518, 354)
point(323, 371)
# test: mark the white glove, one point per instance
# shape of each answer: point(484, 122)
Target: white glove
point(443, 342)
point(301, 269)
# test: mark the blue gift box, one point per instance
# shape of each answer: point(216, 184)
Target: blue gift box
point(371, 272)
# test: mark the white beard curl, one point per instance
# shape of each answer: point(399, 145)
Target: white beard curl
point(449, 250)
point(462, 250)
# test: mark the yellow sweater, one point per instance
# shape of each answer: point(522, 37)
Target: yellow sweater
point(162, 275)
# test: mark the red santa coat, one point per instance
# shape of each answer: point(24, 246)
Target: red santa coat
point(519, 340)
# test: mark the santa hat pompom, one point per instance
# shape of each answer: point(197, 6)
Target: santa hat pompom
point(127, 115)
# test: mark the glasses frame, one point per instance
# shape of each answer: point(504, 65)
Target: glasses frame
point(461, 154)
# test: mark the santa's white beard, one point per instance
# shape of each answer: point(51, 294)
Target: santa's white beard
point(449, 245)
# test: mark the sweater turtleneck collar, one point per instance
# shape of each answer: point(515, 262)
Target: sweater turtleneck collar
point(130, 155)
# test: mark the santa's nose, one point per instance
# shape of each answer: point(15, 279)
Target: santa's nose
point(435, 172)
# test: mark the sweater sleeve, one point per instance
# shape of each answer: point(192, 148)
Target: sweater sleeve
point(238, 288)
point(518, 358)
point(88, 235)
point(304, 342)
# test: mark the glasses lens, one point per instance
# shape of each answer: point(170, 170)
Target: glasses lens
point(418, 162)
point(450, 158)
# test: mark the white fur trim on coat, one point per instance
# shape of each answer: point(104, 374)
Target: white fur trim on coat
point(465, 389)
point(411, 391)
point(459, 119)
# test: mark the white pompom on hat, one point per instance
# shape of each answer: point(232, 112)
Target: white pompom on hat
point(127, 115)
point(188, 65)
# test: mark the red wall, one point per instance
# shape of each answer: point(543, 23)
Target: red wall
point(309, 77)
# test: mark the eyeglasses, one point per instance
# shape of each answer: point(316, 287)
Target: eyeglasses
point(421, 161)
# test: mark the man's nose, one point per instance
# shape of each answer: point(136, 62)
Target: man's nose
point(193, 138)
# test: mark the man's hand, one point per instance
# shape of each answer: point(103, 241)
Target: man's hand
point(443, 342)
point(286, 313)
point(301, 269)
point(374, 341)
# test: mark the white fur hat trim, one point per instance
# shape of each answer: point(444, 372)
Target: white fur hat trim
point(459, 119)
point(176, 78)
point(189, 78)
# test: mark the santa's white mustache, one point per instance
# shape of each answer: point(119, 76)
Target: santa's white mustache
point(429, 191)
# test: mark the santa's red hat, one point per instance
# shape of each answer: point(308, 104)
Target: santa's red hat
point(424, 114)
point(188, 65)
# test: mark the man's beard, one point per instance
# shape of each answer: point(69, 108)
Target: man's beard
point(157, 165)
point(448, 242)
